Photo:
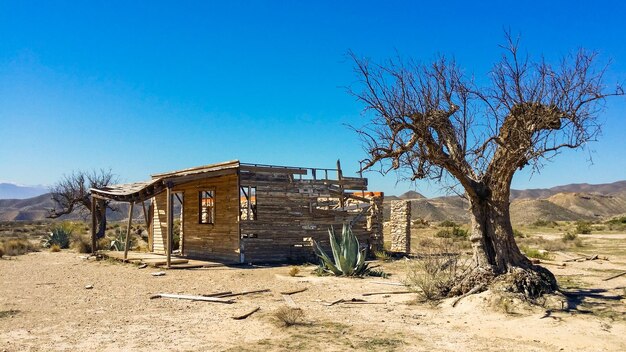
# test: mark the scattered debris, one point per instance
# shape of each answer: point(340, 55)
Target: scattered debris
point(294, 291)
point(159, 273)
point(549, 263)
point(243, 293)
point(142, 266)
point(193, 298)
point(388, 283)
point(614, 276)
point(88, 287)
point(584, 258)
point(244, 316)
point(387, 293)
point(290, 302)
point(217, 294)
point(350, 301)
point(470, 292)
point(333, 302)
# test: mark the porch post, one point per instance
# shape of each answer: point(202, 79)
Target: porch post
point(170, 226)
point(93, 225)
point(130, 220)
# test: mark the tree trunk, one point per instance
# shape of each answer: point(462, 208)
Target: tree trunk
point(101, 217)
point(495, 252)
point(492, 237)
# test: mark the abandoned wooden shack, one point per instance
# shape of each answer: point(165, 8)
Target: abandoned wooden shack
point(236, 212)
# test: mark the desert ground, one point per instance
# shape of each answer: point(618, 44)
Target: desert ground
point(45, 305)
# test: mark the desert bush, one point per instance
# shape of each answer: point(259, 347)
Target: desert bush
point(17, 246)
point(60, 235)
point(535, 253)
point(348, 258)
point(287, 316)
point(568, 236)
point(544, 223)
point(1, 251)
point(518, 234)
point(55, 248)
point(433, 274)
point(453, 233)
point(448, 223)
point(81, 244)
point(382, 255)
point(583, 227)
point(294, 271)
point(426, 242)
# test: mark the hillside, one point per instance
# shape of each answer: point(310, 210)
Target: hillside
point(13, 191)
point(37, 208)
point(562, 203)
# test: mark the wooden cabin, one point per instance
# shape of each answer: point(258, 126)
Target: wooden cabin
point(236, 212)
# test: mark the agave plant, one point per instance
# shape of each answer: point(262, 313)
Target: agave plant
point(348, 259)
point(60, 236)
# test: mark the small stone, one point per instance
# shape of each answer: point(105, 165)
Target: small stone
point(88, 287)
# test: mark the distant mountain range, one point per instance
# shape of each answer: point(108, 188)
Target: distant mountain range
point(562, 203)
point(13, 191)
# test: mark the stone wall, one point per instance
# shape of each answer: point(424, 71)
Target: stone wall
point(375, 222)
point(400, 226)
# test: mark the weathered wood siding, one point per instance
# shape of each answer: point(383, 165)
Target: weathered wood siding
point(159, 223)
point(218, 241)
point(287, 218)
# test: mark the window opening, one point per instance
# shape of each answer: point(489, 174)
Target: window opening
point(207, 207)
point(247, 203)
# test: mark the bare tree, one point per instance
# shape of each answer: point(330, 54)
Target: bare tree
point(433, 122)
point(71, 194)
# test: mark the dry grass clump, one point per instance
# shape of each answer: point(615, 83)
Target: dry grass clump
point(55, 248)
point(81, 244)
point(17, 246)
point(287, 316)
point(294, 271)
point(435, 272)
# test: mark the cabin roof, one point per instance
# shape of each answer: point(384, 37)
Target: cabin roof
point(140, 191)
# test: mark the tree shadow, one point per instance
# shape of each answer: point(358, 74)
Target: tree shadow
point(594, 301)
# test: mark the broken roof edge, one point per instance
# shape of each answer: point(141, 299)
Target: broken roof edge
point(198, 169)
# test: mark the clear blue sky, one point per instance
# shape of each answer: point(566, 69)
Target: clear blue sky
point(143, 87)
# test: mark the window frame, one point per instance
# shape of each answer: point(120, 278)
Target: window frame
point(211, 215)
point(251, 209)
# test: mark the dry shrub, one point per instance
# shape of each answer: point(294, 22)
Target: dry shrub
point(287, 316)
point(1, 251)
point(81, 244)
point(55, 248)
point(435, 272)
point(294, 271)
point(18, 246)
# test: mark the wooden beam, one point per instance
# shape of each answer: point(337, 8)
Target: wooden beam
point(130, 221)
point(170, 226)
point(341, 188)
point(93, 225)
point(145, 214)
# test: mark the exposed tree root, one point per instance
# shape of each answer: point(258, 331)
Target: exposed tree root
point(532, 282)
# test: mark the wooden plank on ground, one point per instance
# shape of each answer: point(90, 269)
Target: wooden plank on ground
point(245, 293)
point(614, 276)
point(387, 293)
point(245, 315)
point(193, 298)
point(294, 291)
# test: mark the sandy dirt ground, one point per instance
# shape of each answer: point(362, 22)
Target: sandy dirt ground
point(45, 306)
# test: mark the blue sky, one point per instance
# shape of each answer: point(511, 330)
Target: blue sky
point(143, 87)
